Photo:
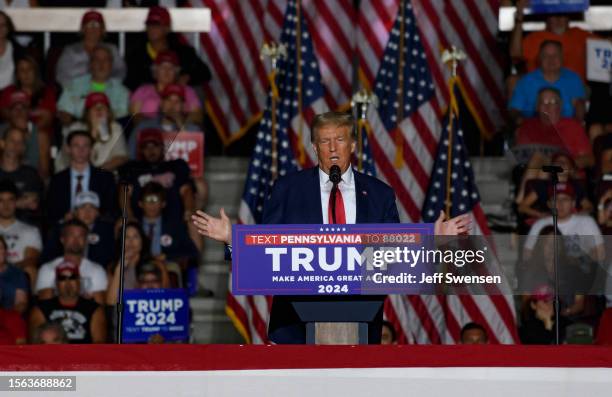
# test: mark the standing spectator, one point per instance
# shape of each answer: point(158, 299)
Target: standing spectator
point(10, 50)
point(101, 237)
point(137, 254)
point(29, 184)
point(80, 176)
point(145, 101)
point(12, 328)
point(83, 319)
point(72, 104)
point(474, 334)
point(23, 241)
point(93, 277)
point(75, 59)
point(168, 236)
point(170, 118)
point(173, 175)
point(551, 73)
point(549, 128)
point(109, 150)
point(38, 145)
point(13, 283)
point(43, 97)
point(159, 38)
point(49, 334)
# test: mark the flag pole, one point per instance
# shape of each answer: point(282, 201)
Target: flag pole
point(359, 103)
point(273, 51)
point(399, 144)
point(451, 58)
point(301, 154)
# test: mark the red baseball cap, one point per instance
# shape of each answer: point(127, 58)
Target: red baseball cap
point(167, 56)
point(159, 15)
point(562, 188)
point(95, 98)
point(92, 15)
point(173, 89)
point(152, 135)
point(19, 97)
point(542, 293)
point(66, 268)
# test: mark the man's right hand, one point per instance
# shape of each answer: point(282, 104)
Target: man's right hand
point(219, 229)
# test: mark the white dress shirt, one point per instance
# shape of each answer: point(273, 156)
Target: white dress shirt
point(347, 188)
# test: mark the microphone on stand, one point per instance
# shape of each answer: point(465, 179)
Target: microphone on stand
point(335, 176)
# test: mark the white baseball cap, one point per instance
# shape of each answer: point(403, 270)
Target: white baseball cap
point(87, 197)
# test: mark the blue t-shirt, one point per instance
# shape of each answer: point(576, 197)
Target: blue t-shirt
point(11, 279)
point(525, 96)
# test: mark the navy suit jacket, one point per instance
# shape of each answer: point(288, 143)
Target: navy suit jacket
point(296, 198)
point(58, 195)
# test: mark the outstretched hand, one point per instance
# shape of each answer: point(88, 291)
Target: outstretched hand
point(219, 229)
point(461, 224)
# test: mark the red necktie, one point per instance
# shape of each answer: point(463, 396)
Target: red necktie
point(79, 185)
point(340, 216)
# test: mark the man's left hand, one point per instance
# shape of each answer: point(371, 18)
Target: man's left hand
point(458, 225)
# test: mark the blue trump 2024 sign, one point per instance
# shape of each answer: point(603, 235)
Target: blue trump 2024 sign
point(558, 6)
point(148, 312)
point(362, 259)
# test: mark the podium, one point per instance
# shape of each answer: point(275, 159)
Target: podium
point(343, 321)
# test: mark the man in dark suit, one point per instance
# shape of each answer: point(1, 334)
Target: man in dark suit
point(305, 198)
point(80, 176)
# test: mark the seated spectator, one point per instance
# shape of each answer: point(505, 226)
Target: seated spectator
point(145, 101)
point(551, 73)
point(474, 334)
point(23, 241)
point(75, 59)
point(14, 284)
point(149, 276)
point(171, 116)
point(83, 319)
point(38, 145)
point(109, 150)
point(10, 50)
point(574, 272)
point(538, 319)
point(12, 327)
point(388, 335)
point(80, 176)
point(71, 105)
point(604, 208)
point(159, 38)
point(173, 175)
point(50, 334)
point(29, 184)
point(534, 199)
point(168, 236)
point(43, 97)
point(137, 254)
point(101, 237)
point(93, 277)
point(582, 236)
point(549, 128)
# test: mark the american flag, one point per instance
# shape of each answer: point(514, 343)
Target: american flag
point(405, 141)
point(235, 97)
point(250, 314)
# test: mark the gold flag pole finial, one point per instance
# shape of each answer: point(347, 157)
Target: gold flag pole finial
point(451, 58)
point(359, 103)
point(274, 52)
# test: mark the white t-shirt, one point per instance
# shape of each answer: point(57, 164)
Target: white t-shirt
point(7, 66)
point(18, 237)
point(580, 234)
point(93, 276)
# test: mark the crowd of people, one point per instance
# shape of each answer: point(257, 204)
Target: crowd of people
point(72, 127)
point(76, 121)
point(560, 118)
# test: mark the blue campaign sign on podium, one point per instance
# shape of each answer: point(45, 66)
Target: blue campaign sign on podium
point(148, 312)
point(362, 259)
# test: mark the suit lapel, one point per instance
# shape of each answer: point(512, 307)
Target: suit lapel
point(361, 198)
point(314, 211)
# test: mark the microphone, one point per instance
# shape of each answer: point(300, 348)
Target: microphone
point(335, 176)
